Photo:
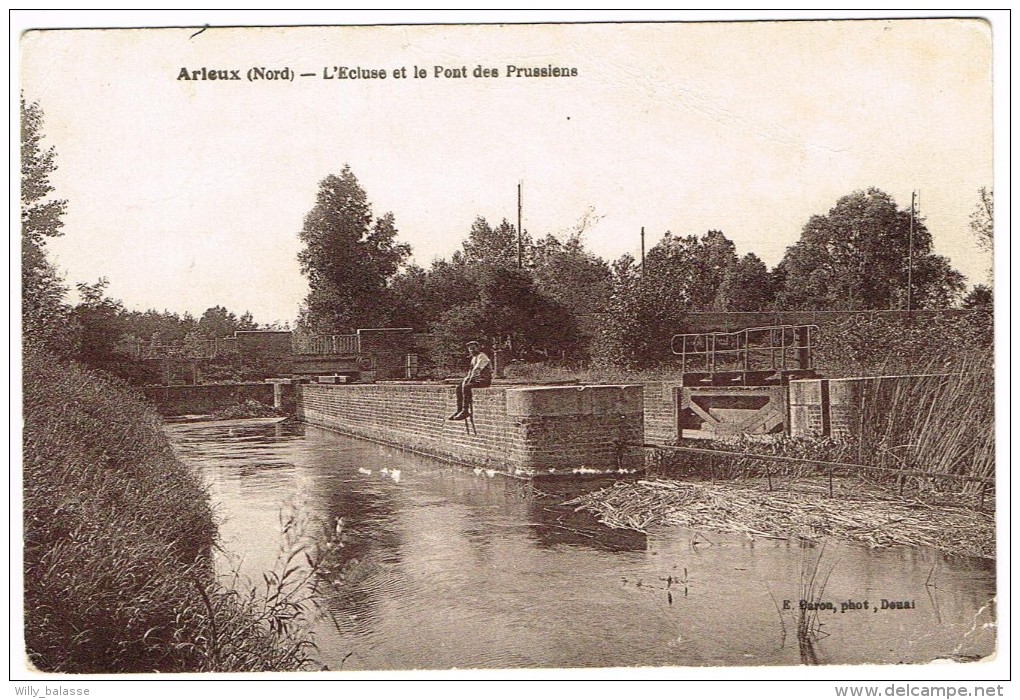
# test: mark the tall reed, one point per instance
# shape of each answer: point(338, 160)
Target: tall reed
point(813, 581)
point(938, 423)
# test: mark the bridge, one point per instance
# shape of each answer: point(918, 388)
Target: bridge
point(370, 353)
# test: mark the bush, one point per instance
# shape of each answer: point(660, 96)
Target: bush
point(872, 345)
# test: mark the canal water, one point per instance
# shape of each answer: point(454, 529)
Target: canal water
point(447, 567)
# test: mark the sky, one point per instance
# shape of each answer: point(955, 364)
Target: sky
point(190, 193)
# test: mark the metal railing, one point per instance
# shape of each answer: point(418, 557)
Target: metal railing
point(328, 345)
point(196, 349)
point(768, 348)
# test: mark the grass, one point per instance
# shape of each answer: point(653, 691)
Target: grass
point(118, 541)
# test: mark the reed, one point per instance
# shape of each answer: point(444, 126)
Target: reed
point(813, 581)
point(807, 513)
point(939, 423)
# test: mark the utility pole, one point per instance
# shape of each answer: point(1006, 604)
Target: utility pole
point(642, 250)
point(520, 231)
point(910, 257)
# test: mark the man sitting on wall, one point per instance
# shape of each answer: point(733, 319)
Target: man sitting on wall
point(479, 376)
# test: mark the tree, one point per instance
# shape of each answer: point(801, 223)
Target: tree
point(939, 285)
point(216, 323)
point(101, 324)
point(247, 322)
point(684, 272)
point(493, 246)
point(856, 257)
point(648, 306)
point(420, 297)
point(347, 259)
point(982, 224)
point(575, 278)
point(509, 306)
point(45, 317)
point(980, 297)
point(621, 340)
point(746, 286)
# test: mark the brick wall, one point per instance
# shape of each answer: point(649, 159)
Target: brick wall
point(841, 408)
point(660, 400)
point(530, 431)
point(809, 408)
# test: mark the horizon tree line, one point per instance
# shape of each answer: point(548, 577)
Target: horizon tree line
point(566, 303)
point(563, 303)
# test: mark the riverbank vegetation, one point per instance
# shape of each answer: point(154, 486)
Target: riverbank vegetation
point(931, 438)
point(931, 442)
point(118, 544)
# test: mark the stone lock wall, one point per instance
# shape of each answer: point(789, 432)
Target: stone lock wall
point(524, 431)
point(809, 408)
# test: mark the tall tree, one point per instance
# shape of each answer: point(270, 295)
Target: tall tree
point(622, 339)
point(216, 322)
point(648, 306)
point(347, 259)
point(980, 297)
point(982, 224)
point(494, 246)
point(685, 272)
point(746, 286)
point(509, 306)
point(247, 322)
point(577, 279)
point(856, 257)
point(45, 317)
point(420, 297)
point(101, 323)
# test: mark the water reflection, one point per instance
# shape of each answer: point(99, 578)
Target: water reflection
point(551, 524)
point(449, 567)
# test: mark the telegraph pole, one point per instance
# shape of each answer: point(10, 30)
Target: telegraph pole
point(520, 231)
point(642, 250)
point(910, 256)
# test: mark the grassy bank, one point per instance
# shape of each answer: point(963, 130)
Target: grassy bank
point(118, 540)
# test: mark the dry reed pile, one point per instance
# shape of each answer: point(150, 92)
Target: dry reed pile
point(747, 509)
